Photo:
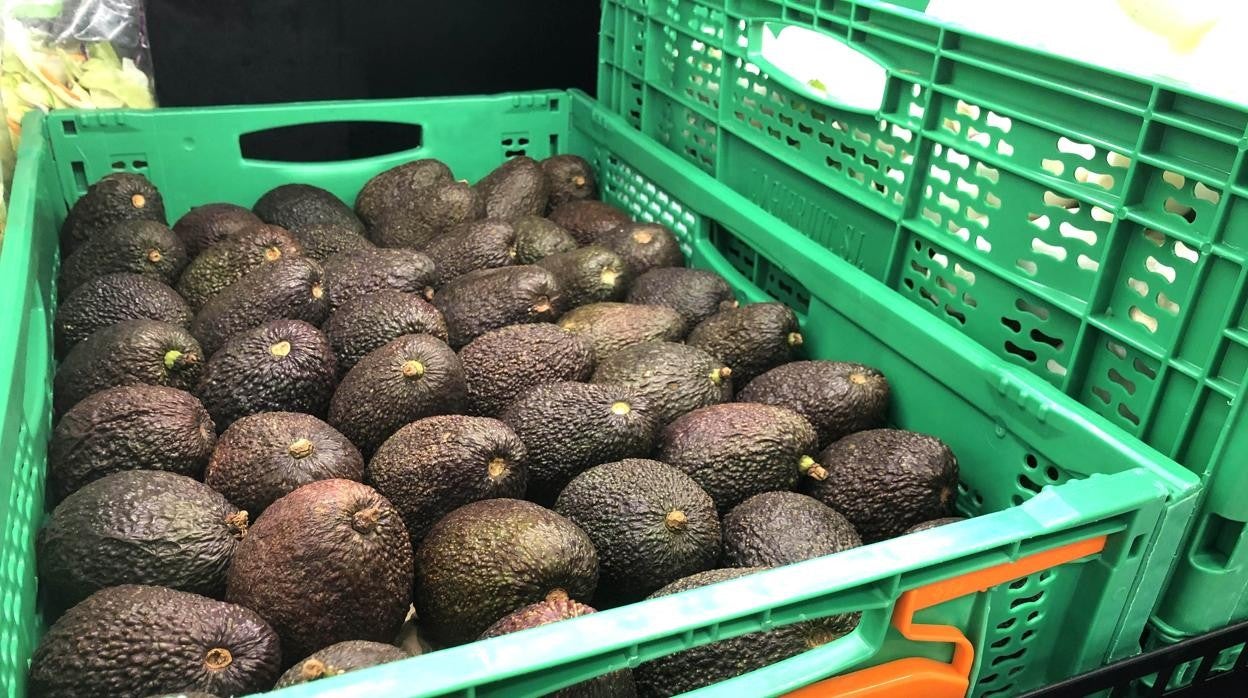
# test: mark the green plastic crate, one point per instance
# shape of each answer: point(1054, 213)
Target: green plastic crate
point(1089, 226)
point(1040, 471)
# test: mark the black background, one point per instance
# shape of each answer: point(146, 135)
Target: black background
point(217, 52)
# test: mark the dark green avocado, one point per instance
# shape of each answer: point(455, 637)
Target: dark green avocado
point(137, 246)
point(354, 274)
point(130, 427)
point(294, 206)
point(205, 226)
point(712, 663)
point(569, 178)
point(413, 376)
point(588, 275)
point(359, 585)
point(569, 427)
point(127, 353)
point(264, 457)
point(613, 326)
point(322, 240)
point(750, 339)
point(650, 523)
point(289, 289)
point(418, 222)
point(485, 300)
point(394, 187)
point(139, 527)
point(137, 640)
point(515, 188)
point(588, 220)
point(886, 481)
point(476, 245)
point(696, 294)
point(838, 398)
point(220, 265)
point(501, 364)
point(116, 197)
point(537, 238)
point(368, 322)
point(673, 378)
point(340, 658)
point(934, 523)
point(644, 246)
point(112, 298)
point(780, 528)
point(489, 558)
point(280, 366)
point(435, 465)
point(739, 449)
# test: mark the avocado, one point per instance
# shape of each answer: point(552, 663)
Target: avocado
point(367, 322)
point(501, 364)
point(740, 449)
point(696, 294)
point(617, 684)
point(338, 659)
point(291, 288)
point(264, 457)
point(934, 523)
point(650, 523)
point(140, 247)
point(672, 378)
point(435, 465)
point(489, 558)
point(569, 178)
point(418, 222)
point(204, 226)
point(644, 246)
point(116, 197)
point(781, 528)
point(127, 353)
point(322, 240)
point(398, 185)
point(537, 238)
point(712, 663)
point(283, 365)
point(413, 376)
point(112, 298)
point(885, 481)
point(139, 527)
point(588, 220)
point(515, 188)
point(613, 326)
point(233, 258)
point(130, 427)
point(837, 398)
point(475, 245)
point(355, 274)
point(328, 562)
point(588, 275)
point(187, 694)
point(751, 339)
point(135, 640)
point(485, 300)
point(294, 206)
point(569, 427)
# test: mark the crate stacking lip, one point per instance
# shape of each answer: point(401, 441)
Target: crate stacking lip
point(1076, 520)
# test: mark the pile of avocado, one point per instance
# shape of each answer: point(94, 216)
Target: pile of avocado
point(300, 439)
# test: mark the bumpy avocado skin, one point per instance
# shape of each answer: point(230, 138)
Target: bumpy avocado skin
point(645, 246)
point(135, 640)
point(613, 326)
point(413, 376)
point(588, 220)
point(886, 481)
point(354, 274)
point(288, 289)
point(340, 658)
point(419, 222)
point(139, 527)
point(569, 178)
point(532, 550)
point(838, 398)
point(394, 187)
point(127, 353)
point(359, 587)
point(116, 197)
point(368, 322)
point(294, 206)
point(218, 266)
point(696, 294)
point(750, 339)
point(476, 245)
point(780, 528)
point(737, 450)
point(485, 300)
point(136, 246)
point(673, 378)
point(323, 240)
point(537, 238)
point(501, 364)
point(205, 226)
point(435, 465)
point(589, 274)
point(934, 523)
point(112, 298)
point(131, 427)
point(516, 188)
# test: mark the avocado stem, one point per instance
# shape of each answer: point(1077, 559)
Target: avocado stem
point(280, 349)
point(795, 339)
point(621, 408)
point(718, 375)
point(428, 293)
point(154, 256)
point(542, 305)
point(643, 237)
point(300, 448)
point(273, 254)
point(808, 466)
point(218, 658)
point(676, 520)
point(609, 276)
point(317, 291)
point(413, 369)
point(497, 467)
point(858, 378)
point(238, 523)
point(578, 181)
point(138, 201)
point(312, 669)
point(365, 520)
point(557, 594)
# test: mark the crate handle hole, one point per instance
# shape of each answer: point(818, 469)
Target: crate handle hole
point(333, 141)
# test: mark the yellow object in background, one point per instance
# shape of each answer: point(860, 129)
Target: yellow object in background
point(1183, 24)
